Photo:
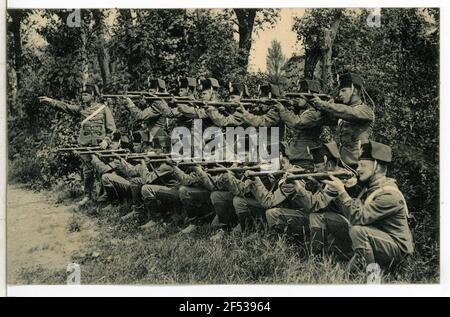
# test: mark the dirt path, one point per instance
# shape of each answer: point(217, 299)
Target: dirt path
point(38, 234)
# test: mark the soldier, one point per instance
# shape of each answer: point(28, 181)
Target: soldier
point(378, 220)
point(292, 216)
point(187, 87)
point(208, 88)
point(154, 118)
point(355, 119)
point(96, 129)
point(236, 93)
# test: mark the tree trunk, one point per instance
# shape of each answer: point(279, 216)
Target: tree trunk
point(83, 53)
point(312, 57)
point(16, 21)
point(246, 21)
point(102, 54)
point(327, 50)
point(127, 19)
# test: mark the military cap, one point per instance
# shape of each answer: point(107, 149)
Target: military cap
point(157, 84)
point(92, 88)
point(376, 151)
point(187, 82)
point(330, 150)
point(264, 90)
point(349, 79)
point(238, 89)
point(207, 83)
point(307, 85)
point(137, 137)
point(116, 136)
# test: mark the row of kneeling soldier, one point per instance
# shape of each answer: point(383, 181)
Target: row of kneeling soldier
point(335, 195)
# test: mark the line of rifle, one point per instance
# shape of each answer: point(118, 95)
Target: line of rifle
point(343, 175)
point(214, 103)
point(149, 97)
point(91, 150)
point(135, 156)
point(275, 173)
point(139, 93)
point(188, 163)
point(78, 148)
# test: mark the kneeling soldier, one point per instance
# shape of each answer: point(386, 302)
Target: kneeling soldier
point(378, 220)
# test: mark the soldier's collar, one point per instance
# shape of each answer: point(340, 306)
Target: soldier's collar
point(356, 102)
point(375, 183)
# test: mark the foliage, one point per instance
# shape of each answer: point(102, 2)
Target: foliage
point(275, 61)
point(400, 64)
point(399, 61)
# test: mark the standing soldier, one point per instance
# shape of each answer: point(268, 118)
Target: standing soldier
point(97, 129)
point(355, 119)
point(378, 220)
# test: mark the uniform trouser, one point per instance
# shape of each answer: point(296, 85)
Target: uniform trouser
point(289, 221)
point(195, 201)
point(157, 198)
point(247, 209)
point(136, 185)
point(329, 223)
point(88, 174)
point(116, 186)
point(222, 202)
point(375, 246)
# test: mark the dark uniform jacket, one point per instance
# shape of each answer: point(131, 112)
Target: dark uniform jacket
point(355, 123)
point(307, 128)
point(383, 207)
point(98, 128)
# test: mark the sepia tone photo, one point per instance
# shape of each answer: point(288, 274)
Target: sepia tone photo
point(223, 146)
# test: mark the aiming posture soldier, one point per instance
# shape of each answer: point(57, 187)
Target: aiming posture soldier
point(294, 218)
point(378, 220)
point(97, 128)
point(306, 127)
point(355, 119)
point(153, 117)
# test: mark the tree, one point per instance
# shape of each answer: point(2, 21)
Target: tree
point(247, 21)
point(102, 54)
point(317, 30)
point(275, 61)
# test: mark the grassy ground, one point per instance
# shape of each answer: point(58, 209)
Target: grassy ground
point(121, 253)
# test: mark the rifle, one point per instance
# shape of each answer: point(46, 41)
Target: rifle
point(213, 103)
point(307, 96)
point(275, 173)
point(91, 150)
point(78, 148)
point(135, 156)
point(150, 97)
point(344, 175)
point(236, 169)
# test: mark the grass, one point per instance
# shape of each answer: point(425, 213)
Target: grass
point(122, 253)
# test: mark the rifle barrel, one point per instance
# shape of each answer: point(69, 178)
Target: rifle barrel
point(276, 173)
point(233, 169)
point(321, 176)
point(78, 148)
